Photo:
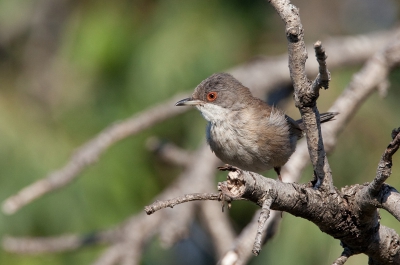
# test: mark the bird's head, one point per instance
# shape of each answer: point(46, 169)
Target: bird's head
point(217, 95)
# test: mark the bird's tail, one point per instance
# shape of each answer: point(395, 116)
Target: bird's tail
point(327, 116)
point(324, 117)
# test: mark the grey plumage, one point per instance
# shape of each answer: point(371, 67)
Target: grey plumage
point(243, 130)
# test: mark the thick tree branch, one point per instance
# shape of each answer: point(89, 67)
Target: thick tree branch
point(337, 214)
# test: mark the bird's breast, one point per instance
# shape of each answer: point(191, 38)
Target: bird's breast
point(255, 145)
point(236, 147)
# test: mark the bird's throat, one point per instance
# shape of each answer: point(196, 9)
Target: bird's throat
point(213, 113)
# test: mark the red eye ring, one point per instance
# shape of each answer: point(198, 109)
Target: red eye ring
point(212, 96)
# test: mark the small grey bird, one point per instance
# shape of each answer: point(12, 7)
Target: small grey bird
point(243, 130)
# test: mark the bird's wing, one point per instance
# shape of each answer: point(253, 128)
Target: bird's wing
point(295, 126)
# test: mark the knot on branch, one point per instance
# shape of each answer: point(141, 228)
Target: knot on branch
point(306, 99)
point(235, 185)
point(293, 34)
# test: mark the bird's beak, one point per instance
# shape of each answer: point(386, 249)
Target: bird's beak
point(189, 102)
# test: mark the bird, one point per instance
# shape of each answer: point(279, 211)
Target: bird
point(243, 130)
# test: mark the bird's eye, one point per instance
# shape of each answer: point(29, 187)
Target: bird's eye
point(212, 96)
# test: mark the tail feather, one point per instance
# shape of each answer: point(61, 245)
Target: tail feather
point(323, 117)
point(327, 116)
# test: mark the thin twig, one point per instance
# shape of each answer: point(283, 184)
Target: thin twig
point(158, 205)
point(385, 164)
point(262, 228)
point(324, 76)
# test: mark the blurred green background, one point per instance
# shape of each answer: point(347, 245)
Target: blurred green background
point(70, 68)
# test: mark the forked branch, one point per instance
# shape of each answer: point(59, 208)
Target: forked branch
point(305, 92)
